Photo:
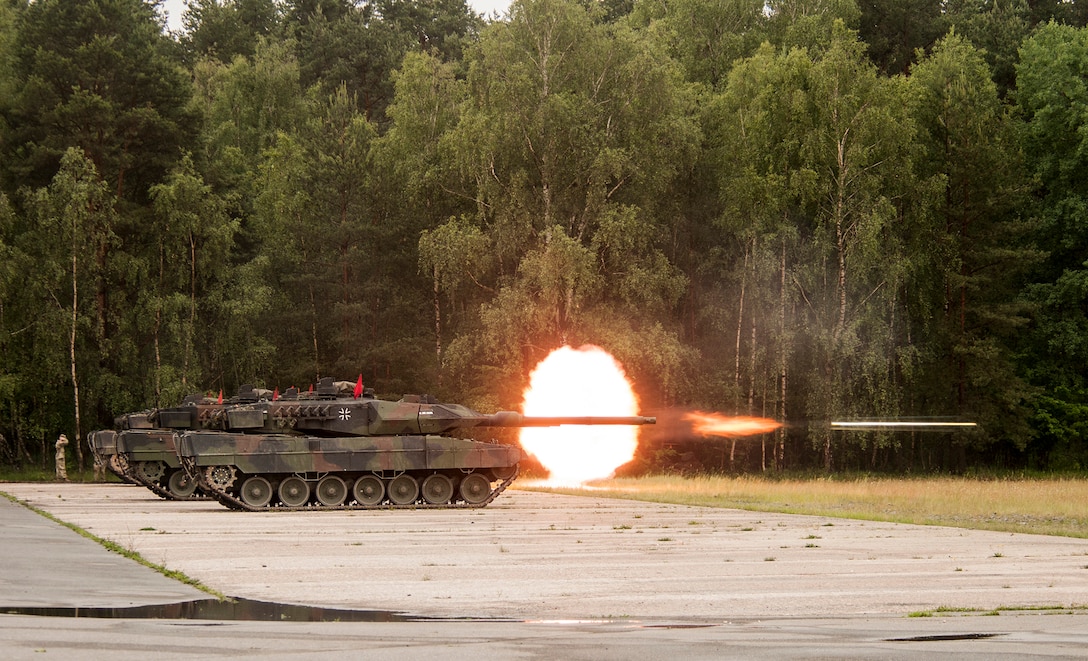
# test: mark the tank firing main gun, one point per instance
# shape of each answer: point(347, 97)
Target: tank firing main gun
point(338, 447)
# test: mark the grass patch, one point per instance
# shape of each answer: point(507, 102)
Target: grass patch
point(946, 611)
point(1045, 506)
point(120, 550)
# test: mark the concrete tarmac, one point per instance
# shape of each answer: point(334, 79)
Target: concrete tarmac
point(535, 576)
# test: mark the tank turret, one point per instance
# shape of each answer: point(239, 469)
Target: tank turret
point(326, 414)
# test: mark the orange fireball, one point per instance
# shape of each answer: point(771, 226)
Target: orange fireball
point(580, 382)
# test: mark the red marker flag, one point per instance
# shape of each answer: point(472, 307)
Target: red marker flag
point(358, 387)
point(220, 400)
point(276, 394)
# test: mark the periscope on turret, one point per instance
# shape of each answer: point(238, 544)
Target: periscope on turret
point(337, 447)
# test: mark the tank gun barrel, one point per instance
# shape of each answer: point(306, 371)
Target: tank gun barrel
point(514, 419)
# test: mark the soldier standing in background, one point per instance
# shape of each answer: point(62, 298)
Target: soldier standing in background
point(62, 471)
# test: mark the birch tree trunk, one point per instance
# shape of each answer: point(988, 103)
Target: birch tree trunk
point(72, 348)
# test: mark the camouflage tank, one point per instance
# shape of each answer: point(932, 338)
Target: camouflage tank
point(338, 449)
point(139, 453)
point(103, 446)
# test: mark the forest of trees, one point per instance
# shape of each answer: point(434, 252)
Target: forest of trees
point(799, 209)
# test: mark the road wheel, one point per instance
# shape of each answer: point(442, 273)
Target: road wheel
point(294, 492)
point(369, 490)
point(475, 488)
point(331, 491)
point(437, 489)
point(180, 484)
point(403, 490)
point(256, 492)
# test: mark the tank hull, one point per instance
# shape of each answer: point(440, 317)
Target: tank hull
point(283, 471)
point(151, 459)
point(103, 444)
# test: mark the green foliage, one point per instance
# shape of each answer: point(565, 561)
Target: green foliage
point(895, 29)
point(195, 237)
point(225, 30)
point(705, 38)
point(997, 29)
point(571, 131)
point(244, 104)
point(754, 207)
point(456, 253)
point(9, 14)
point(808, 24)
point(98, 76)
point(72, 228)
point(970, 146)
point(1052, 94)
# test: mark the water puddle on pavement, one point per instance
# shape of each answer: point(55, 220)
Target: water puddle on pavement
point(214, 609)
point(944, 637)
point(250, 610)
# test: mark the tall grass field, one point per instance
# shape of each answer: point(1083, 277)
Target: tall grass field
point(1046, 506)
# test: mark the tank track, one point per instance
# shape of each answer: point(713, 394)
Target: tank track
point(131, 475)
point(118, 465)
point(165, 494)
point(235, 503)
